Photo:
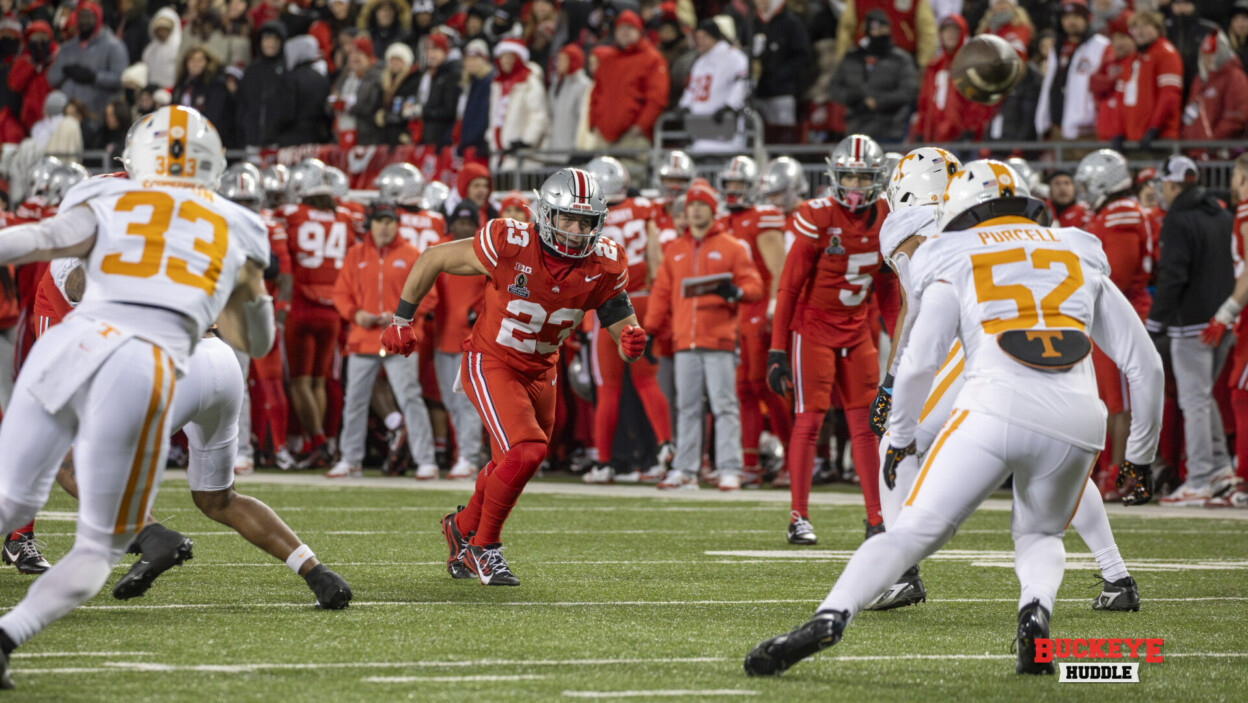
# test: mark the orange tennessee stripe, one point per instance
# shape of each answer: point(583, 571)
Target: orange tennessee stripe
point(133, 481)
point(151, 471)
point(931, 455)
point(177, 133)
point(933, 399)
point(1083, 487)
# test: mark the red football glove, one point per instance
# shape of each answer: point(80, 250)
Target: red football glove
point(1213, 333)
point(399, 337)
point(633, 342)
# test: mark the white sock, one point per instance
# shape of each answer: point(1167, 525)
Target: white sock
point(1091, 521)
point(1040, 563)
point(394, 420)
point(1112, 566)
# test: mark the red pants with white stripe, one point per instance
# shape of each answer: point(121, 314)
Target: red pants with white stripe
point(608, 370)
point(752, 387)
point(513, 407)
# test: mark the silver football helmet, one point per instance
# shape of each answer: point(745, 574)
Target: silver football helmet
point(339, 184)
point(62, 179)
point(891, 159)
point(675, 166)
point(435, 196)
point(570, 192)
point(1030, 176)
point(737, 180)
point(612, 178)
point(40, 174)
point(857, 155)
point(242, 184)
point(308, 178)
point(783, 183)
point(400, 184)
point(1101, 174)
point(273, 180)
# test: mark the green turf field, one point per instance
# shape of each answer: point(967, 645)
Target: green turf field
point(657, 597)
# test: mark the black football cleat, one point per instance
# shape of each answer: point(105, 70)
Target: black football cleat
point(489, 565)
point(160, 549)
point(1121, 595)
point(1033, 624)
point(800, 530)
point(907, 591)
point(457, 545)
point(321, 457)
point(774, 656)
point(873, 530)
point(6, 681)
point(24, 553)
point(332, 591)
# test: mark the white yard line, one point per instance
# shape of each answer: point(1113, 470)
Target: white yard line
point(453, 679)
point(671, 693)
point(40, 655)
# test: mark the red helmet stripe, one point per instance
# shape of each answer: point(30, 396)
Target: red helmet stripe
point(582, 189)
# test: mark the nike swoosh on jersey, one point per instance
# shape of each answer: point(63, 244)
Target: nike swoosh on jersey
point(589, 279)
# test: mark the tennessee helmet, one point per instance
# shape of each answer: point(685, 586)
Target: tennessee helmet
point(675, 173)
point(983, 190)
point(40, 174)
point(857, 155)
point(400, 184)
point(612, 178)
point(339, 184)
point(920, 178)
point(177, 144)
point(737, 180)
point(435, 196)
point(62, 179)
point(570, 191)
point(308, 178)
point(783, 183)
point(1101, 174)
point(242, 184)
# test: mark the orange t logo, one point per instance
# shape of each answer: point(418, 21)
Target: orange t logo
point(1046, 338)
point(107, 330)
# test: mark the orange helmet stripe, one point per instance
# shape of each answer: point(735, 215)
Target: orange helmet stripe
point(178, 118)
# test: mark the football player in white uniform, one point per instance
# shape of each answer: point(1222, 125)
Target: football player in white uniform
point(913, 194)
point(1025, 302)
point(165, 258)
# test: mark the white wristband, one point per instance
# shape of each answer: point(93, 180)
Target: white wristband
point(1229, 310)
point(299, 557)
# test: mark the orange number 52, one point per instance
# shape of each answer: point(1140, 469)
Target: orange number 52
point(153, 233)
point(987, 290)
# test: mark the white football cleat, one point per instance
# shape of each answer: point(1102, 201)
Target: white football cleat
point(1186, 497)
point(677, 480)
point(630, 477)
point(427, 472)
point(344, 470)
point(244, 464)
point(1224, 481)
point(730, 482)
point(601, 473)
point(283, 459)
point(462, 469)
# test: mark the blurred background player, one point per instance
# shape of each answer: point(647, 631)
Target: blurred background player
point(340, 188)
point(783, 184)
point(365, 293)
point(1064, 200)
point(704, 331)
point(630, 224)
point(1228, 315)
point(514, 206)
point(674, 175)
point(509, 369)
point(821, 336)
point(319, 233)
point(761, 227)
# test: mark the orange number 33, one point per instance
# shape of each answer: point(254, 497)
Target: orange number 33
point(153, 233)
point(987, 290)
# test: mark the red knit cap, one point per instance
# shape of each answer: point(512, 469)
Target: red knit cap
point(630, 18)
point(513, 199)
point(702, 194)
point(364, 45)
point(576, 57)
point(440, 41)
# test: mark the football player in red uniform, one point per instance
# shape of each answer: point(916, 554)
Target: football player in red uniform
point(821, 323)
point(37, 206)
point(542, 279)
point(341, 190)
point(783, 184)
point(319, 234)
point(630, 224)
point(1226, 317)
point(761, 227)
point(673, 177)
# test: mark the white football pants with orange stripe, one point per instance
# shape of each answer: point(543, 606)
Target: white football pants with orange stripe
point(971, 458)
point(118, 422)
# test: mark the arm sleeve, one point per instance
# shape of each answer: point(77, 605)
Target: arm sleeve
point(932, 336)
point(67, 228)
point(1172, 273)
point(798, 266)
point(1117, 332)
point(615, 309)
point(901, 338)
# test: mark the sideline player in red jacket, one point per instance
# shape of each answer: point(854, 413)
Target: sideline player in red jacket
point(543, 278)
point(821, 323)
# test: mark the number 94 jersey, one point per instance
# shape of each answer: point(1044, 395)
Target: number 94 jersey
point(529, 310)
point(169, 247)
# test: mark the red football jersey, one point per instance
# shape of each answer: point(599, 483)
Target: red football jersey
point(31, 210)
point(50, 303)
point(317, 241)
point(1153, 93)
point(422, 228)
point(665, 222)
point(628, 224)
point(828, 274)
point(1073, 216)
point(1125, 236)
point(746, 225)
point(529, 310)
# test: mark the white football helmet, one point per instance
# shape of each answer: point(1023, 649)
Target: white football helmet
point(339, 184)
point(40, 174)
point(783, 183)
point(570, 191)
point(242, 184)
point(612, 178)
point(435, 196)
point(857, 154)
point(308, 178)
point(177, 144)
point(400, 184)
point(920, 178)
point(740, 170)
point(675, 166)
point(1101, 174)
point(984, 190)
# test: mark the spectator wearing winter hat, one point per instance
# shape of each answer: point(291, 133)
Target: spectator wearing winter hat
point(201, 85)
point(943, 114)
point(29, 78)
point(356, 97)
point(876, 82)
point(1109, 82)
point(676, 46)
point(1217, 105)
point(568, 92)
point(718, 85)
point(1186, 30)
point(161, 54)
point(519, 115)
point(11, 130)
point(307, 94)
point(89, 66)
point(473, 184)
point(513, 205)
point(781, 51)
point(1066, 103)
point(439, 91)
point(386, 22)
point(1010, 22)
point(400, 89)
point(630, 91)
point(208, 30)
point(260, 95)
point(1158, 77)
point(539, 30)
point(474, 22)
point(914, 27)
point(422, 22)
point(474, 103)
